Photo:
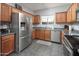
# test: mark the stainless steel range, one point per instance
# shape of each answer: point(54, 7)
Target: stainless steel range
point(21, 26)
point(71, 45)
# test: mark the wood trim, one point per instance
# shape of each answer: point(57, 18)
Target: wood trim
point(61, 12)
point(22, 11)
point(26, 13)
point(69, 6)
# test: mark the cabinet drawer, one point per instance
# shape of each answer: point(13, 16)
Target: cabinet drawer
point(5, 47)
point(5, 38)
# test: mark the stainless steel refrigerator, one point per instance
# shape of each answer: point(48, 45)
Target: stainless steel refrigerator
point(22, 27)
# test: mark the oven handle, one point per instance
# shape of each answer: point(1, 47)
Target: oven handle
point(68, 42)
point(70, 50)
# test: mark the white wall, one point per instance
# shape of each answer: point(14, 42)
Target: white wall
point(51, 10)
point(44, 11)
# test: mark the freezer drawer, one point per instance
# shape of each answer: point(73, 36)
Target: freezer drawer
point(23, 43)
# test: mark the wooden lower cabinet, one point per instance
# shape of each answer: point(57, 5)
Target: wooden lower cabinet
point(37, 35)
point(11, 43)
point(0, 45)
point(41, 34)
point(42, 37)
point(7, 45)
point(33, 34)
point(47, 35)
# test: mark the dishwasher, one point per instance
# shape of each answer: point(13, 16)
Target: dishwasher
point(55, 36)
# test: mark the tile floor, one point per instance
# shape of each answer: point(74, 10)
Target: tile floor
point(36, 49)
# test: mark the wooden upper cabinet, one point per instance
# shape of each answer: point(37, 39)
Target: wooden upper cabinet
point(61, 17)
point(36, 19)
point(5, 12)
point(71, 13)
point(69, 16)
point(74, 8)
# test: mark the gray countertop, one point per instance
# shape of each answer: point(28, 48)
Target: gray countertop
point(7, 34)
point(52, 29)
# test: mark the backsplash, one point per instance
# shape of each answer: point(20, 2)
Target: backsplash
point(4, 25)
point(49, 25)
point(75, 27)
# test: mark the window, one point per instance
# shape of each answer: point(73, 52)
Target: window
point(47, 19)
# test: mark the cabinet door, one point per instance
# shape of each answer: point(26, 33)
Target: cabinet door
point(7, 44)
point(36, 19)
point(71, 13)
point(0, 45)
point(42, 34)
point(74, 7)
point(69, 16)
point(11, 43)
point(5, 47)
point(47, 35)
point(33, 34)
point(58, 17)
point(33, 20)
point(37, 33)
point(61, 17)
point(5, 13)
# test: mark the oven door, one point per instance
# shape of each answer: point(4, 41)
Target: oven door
point(67, 49)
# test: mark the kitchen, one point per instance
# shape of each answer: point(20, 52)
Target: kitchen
point(39, 29)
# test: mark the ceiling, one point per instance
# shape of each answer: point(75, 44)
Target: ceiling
point(39, 6)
